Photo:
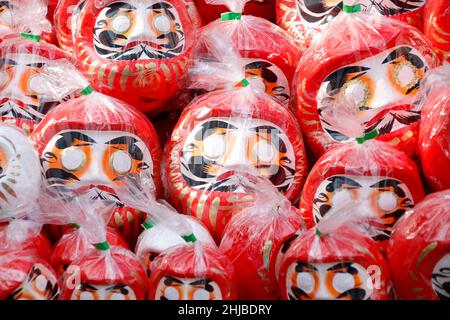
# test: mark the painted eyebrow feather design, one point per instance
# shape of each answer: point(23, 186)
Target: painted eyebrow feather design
point(210, 125)
point(36, 64)
point(344, 265)
point(338, 78)
point(404, 52)
point(338, 181)
point(301, 265)
point(7, 61)
point(170, 280)
point(115, 7)
point(68, 138)
point(84, 286)
point(162, 6)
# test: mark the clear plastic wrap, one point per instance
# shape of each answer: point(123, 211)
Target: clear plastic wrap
point(239, 126)
point(164, 227)
point(212, 9)
point(376, 61)
point(20, 174)
point(270, 56)
point(194, 271)
point(306, 19)
point(103, 272)
point(135, 50)
point(25, 96)
point(255, 235)
point(434, 137)
point(419, 250)
point(384, 179)
point(437, 27)
point(336, 260)
point(92, 142)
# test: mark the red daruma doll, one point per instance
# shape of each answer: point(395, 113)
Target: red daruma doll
point(437, 27)
point(92, 142)
point(336, 260)
point(25, 95)
point(270, 56)
point(255, 235)
point(228, 129)
point(104, 272)
point(376, 62)
point(419, 250)
point(434, 138)
point(305, 19)
point(135, 50)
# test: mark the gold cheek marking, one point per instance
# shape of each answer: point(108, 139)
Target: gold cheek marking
point(112, 76)
point(214, 208)
point(201, 206)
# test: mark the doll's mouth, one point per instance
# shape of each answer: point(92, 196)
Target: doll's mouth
point(143, 44)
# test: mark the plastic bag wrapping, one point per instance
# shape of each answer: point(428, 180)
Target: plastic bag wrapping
point(20, 174)
point(228, 129)
point(419, 249)
point(195, 271)
point(336, 260)
point(254, 236)
point(141, 61)
point(103, 272)
point(437, 27)
point(363, 169)
point(304, 19)
point(377, 61)
point(268, 52)
point(434, 137)
point(27, 277)
point(28, 91)
point(164, 227)
point(91, 142)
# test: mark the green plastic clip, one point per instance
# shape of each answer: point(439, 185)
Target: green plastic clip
point(227, 16)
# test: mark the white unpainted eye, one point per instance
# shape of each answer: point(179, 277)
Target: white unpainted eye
point(405, 74)
point(86, 296)
point(121, 24)
point(201, 294)
point(305, 281)
point(171, 293)
point(73, 159)
point(41, 282)
point(162, 23)
point(343, 282)
point(117, 296)
point(39, 84)
point(121, 162)
point(341, 197)
point(387, 201)
point(356, 91)
point(214, 146)
point(263, 152)
point(6, 17)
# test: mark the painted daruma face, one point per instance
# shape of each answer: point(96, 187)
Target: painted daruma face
point(388, 82)
point(328, 281)
point(171, 288)
point(98, 160)
point(272, 79)
point(40, 284)
point(441, 278)
point(386, 198)
point(318, 12)
point(218, 145)
point(26, 93)
point(86, 291)
point(137, 30)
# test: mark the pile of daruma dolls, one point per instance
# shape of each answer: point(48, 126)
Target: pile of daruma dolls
point(224, 149)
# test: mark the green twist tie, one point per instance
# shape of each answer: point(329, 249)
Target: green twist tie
point(87, 91)
point(30, 36)
point(352, 9)
point(370, 135)
point(147, 225)
point(227, 16)
point(245, 83)
point(73, 225)
point(318, 232)
point(103, 246)
point(190, 238)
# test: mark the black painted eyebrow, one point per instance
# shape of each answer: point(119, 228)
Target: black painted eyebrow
point(386, 183)
point(338, 78)
point(84, 286)
point(169, 280)
point(115, 7)
point(338, 181)
point(7, 61)
point(164, 6)
point(340, 265)
point(274, 132)
point(67, 139)
point(301, 265)
point(404, 52)
point(213, 124)
point(36, 64)
point(122, 140)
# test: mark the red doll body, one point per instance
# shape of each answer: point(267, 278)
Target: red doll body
point(437, 27)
